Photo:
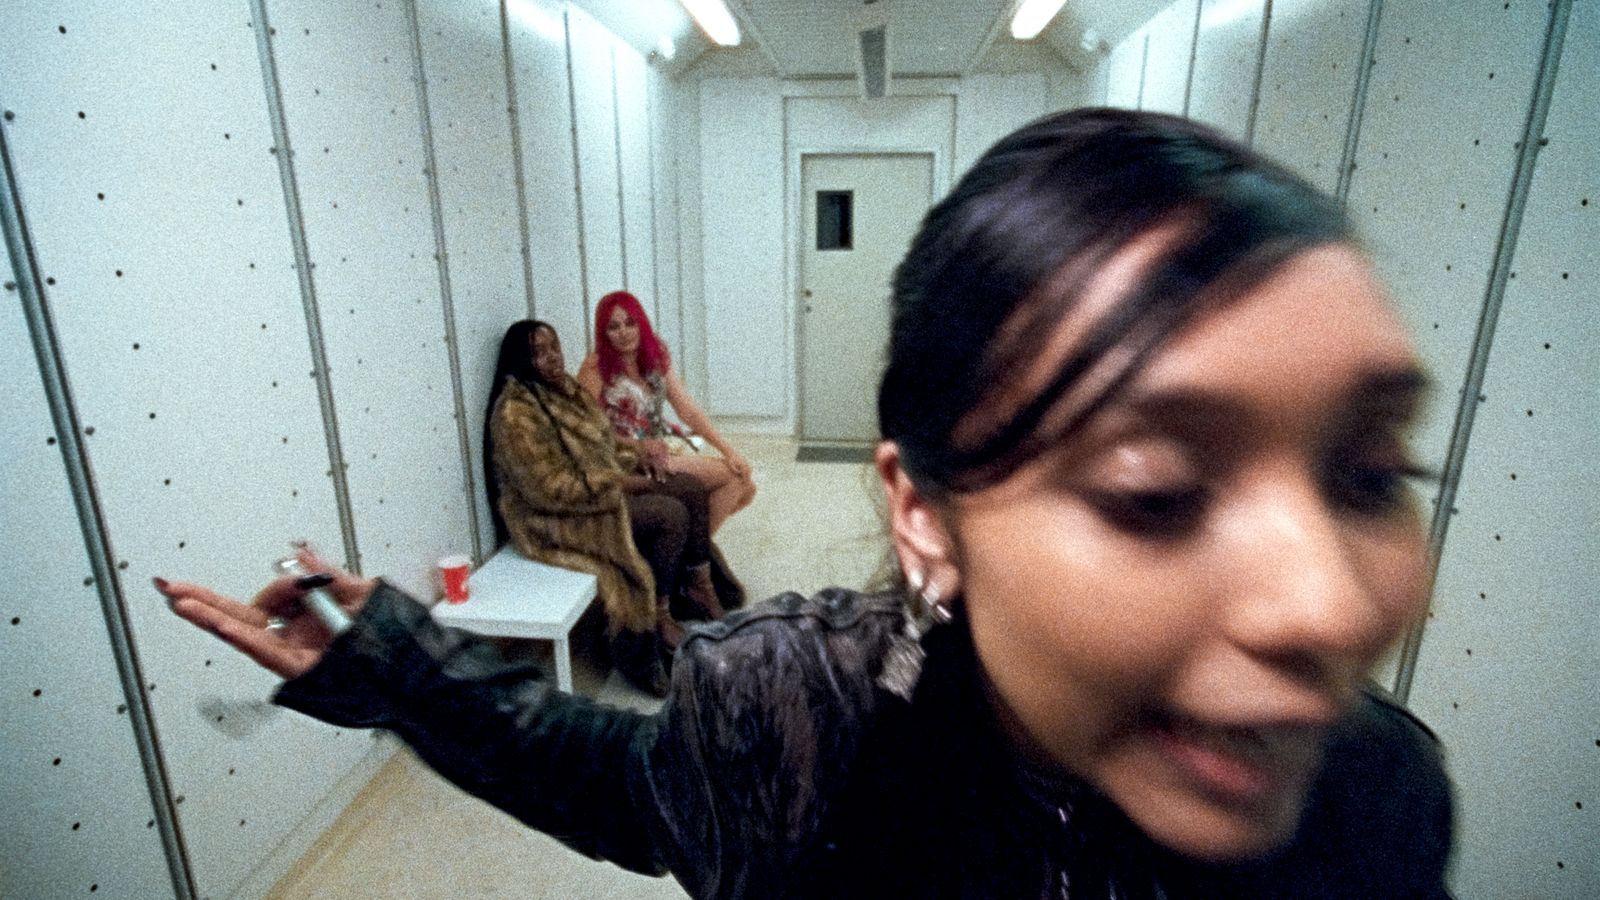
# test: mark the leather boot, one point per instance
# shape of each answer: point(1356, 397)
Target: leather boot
point(701, 593)
point(636, 655)
point(667, 628)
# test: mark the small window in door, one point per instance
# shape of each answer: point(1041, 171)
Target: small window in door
point(834, 226)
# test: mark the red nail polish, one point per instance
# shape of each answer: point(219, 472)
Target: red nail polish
point(160, 583)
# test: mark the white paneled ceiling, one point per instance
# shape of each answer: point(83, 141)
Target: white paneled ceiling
point(811, 38)
point(927, 37)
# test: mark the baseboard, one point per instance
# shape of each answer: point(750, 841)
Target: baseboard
point(298, 844)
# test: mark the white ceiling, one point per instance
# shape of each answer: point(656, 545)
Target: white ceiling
point(812, 38)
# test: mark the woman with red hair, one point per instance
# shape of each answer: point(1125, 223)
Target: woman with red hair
point(630, 375)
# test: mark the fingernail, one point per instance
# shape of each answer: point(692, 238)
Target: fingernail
point(311, 582)
point(160, 583)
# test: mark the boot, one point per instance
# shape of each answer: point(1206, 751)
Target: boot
point(702, 594)
point(667, 628)
point(636, 655)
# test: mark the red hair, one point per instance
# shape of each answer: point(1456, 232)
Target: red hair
point(653, 355)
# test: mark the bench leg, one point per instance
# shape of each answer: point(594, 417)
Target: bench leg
point(563, 665)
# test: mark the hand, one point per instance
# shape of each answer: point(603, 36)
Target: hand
point(737, 463)
point(654, 456)
point(290, 650)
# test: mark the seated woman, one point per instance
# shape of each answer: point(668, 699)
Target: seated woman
point(564, 493)
point(630, 375)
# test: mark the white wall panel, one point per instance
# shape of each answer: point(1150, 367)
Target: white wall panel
point(1126, 71)
point(989, 107)
point(1509, 670)
point(538, 40)
point(353, 115)
point(665, 167)
point(594, 112)
point(143, 150)
point(1433, 226)
point(741, 202)
point(476, 179)
point(1227, 50)
point(633, 145)
point(685, 124)
point(73, 785)
point(1166, 71)
point(1308, 82)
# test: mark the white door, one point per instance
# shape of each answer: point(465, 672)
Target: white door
point(859, 212)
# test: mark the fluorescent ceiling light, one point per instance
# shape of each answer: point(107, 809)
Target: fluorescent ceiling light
point(1032, 17)
point(714, 19)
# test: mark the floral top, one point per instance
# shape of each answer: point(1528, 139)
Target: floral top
point(636, 410)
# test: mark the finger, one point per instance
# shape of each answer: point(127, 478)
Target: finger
point(349, 590)
point(254, 642)
point(176, 591)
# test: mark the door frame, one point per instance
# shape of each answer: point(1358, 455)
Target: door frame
point(795, 228)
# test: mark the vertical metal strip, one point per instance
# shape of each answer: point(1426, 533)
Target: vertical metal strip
point(1358, 101)
point(622, 176)
point(1483, 341)
point(1144, 67)
point(655, 220)
point(308, 291)
point(515, 116)
point(91, 519)
point(1261, 71)
point(577, 189)
point(1194, 55)
point(441, 256)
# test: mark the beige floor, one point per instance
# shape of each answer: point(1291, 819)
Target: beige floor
point(410, 834)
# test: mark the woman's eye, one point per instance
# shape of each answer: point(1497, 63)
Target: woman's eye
point(1162, 514)
point(1372, 489)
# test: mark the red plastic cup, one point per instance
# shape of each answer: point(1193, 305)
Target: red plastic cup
point(453, 571)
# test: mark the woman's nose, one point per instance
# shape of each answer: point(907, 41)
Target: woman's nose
point(1304, 594)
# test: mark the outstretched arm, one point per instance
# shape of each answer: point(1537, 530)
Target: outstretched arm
point(498, 730)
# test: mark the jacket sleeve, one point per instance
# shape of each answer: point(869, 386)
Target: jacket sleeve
point(498, 730)
point(528, 454)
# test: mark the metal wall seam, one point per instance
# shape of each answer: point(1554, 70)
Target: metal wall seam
point(1194, 55)
point(308, 292)
point(1144, 67)
point(441, 257)
point(1358, 102)
point(91, 519)
point(1494, 296)
point(577, 188)
point(515, 119)
point(622, 176)
point(650, 163)
point(1261, 71)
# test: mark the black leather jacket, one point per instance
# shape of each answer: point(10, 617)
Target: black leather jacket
point(778, 767)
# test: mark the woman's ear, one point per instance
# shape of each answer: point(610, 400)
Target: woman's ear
point(916, 527)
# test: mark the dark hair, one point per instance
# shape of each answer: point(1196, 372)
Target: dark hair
point(1006, 255)
point(515, 361)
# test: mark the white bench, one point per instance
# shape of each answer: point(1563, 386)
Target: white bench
point(513, 596)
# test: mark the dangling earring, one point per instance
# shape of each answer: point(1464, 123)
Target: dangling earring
point(902, 666)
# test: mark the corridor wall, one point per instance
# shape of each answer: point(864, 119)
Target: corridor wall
point(279, 241)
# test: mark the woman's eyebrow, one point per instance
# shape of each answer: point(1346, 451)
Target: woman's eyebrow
point(1198, 413)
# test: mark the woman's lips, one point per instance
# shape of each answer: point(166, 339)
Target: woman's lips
point(1239, 764)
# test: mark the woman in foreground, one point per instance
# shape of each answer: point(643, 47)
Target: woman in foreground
point(630, 375)
point(1143, 455)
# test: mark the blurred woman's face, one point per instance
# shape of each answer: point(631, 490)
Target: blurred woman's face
point(1178, 602)
point(547, 358)
point(622, 331)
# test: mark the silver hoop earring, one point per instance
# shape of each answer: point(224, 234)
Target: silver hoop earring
point(902, 665)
